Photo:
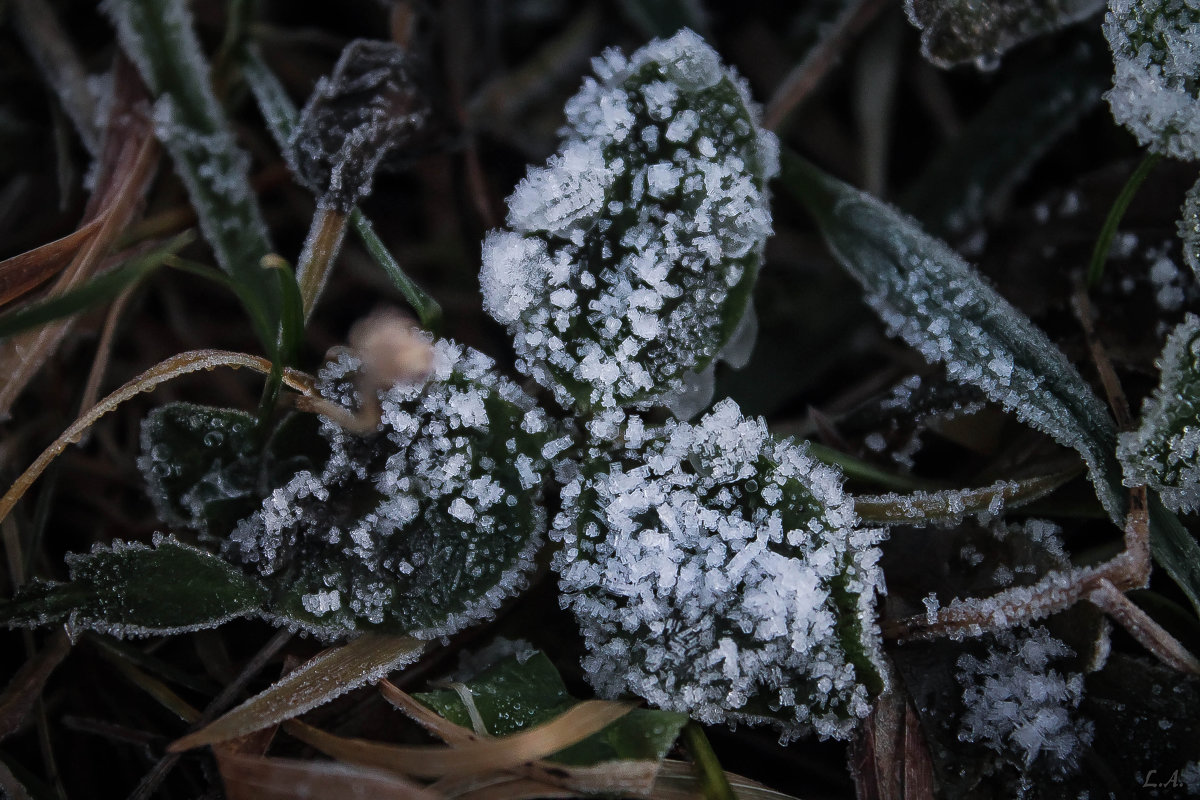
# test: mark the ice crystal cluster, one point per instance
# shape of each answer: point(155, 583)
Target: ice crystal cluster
point(721, 573)
point(629, 257)
point(1156, 85)
point(1189, 228)
point(1164, 452)
point(1016, 704)
point(422, 527)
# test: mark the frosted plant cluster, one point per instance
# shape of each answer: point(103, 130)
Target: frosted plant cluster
point(721, 573)
point(629, 258)
point(422, 527)
point(1164, 452)
point(1156, 85)
point(1017, 704)
point(1189, 228)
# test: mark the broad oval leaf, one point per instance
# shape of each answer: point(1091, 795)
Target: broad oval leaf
point(720, 573)
point(630, 256)
point(1156, 85)
point(958, 31)
point(932, 299)
point(1164, 452)
point(129, 589)
point(420, 527)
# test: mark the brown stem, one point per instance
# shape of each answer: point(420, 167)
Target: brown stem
point(320, 250)
point(1141, 626)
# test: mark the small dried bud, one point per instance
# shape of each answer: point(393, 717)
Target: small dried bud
point(393, 348)
point(369, 105)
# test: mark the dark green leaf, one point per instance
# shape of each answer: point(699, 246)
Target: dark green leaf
point(519, 693)
point(130, 589)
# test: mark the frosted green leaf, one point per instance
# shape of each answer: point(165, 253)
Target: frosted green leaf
point(931, 298)
point(1156, 80)
point(1164, 452)
point(523, 690)
point(422, 527)
point(958, 31)
point(722, 574)
point(1189, 228)
point(129, 589)
point(629, 258)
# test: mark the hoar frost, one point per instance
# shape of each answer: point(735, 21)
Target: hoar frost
point(1164, 452)
point(425, 525)
point(629, 257)
point(720, 573)
point(1016, 704)
point(1156, 85)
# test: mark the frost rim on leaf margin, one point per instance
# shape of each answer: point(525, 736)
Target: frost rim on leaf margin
point(1164, 452)
point(1156, 81)
point(718, 572)
point(400, 524)
point(630, 256)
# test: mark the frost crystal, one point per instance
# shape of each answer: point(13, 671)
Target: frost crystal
point(1156, 85)
point(629, 258)
point(1189, 229)
point(1016, 704)
point(718, 572)
point(424, 526)
point(1164, 452)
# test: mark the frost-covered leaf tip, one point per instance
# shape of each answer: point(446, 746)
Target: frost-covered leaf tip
point(424, 525)
point(629, 258)
point(718, 572)
point(1156, 85)
point(1164, 452)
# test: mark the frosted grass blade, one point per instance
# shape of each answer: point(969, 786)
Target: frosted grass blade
point(931, 298)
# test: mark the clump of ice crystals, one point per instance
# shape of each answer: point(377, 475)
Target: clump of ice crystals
point(718, 572)
point(629, 257)
point(1164, 452)
point(1156, 85)
point(1189, 229)
point(1016, 704)
point(424, 526)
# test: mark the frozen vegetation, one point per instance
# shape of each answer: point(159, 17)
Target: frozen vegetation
point(719, 572)
point(629, 258)
point(1164, 452)
point(1156, 85)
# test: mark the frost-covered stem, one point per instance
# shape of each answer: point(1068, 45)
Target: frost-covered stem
point(1108, 376)
point(1056, 592)
point(321, 248)
point(1128, 191)
point(148, 381)
point(806, 75)
point(1142, 627)
point(713, 782)
point(365, 421)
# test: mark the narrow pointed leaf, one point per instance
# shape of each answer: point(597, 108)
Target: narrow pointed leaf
point(950, 506)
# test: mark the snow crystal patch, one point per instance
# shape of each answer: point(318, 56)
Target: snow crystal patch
point(698, 598)
point(609, 316)
point(1016, 704)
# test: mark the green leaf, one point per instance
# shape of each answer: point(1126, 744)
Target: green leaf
point(719, 573)
point(422, 525)
point(95, 292)
point(522, 692)
point(158, 36)
point(130, 589)
point(958, 31)
point(932, 299)
point(976, 173)
point(630, 257)
point(1164, 452)
point(200, 464)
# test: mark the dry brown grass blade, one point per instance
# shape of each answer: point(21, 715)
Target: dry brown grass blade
point(127, 164)
point(510, 787)
point(26, 686)
point(22, 273)
point(484, 755)
point(678, 780)
point(252, 777)
point(890, 757)
point(10, 786)
point(182, 364)
point(614, 777)
point(323, 678)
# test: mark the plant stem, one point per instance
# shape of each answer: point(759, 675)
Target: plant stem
point(1116, 213)
point(713, 783)
point(428, 310)
point(320, 250)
